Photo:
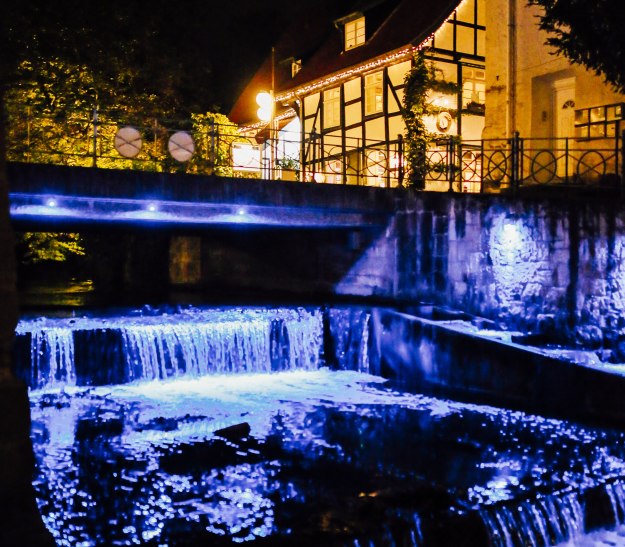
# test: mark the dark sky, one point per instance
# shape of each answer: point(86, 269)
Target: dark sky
point(246, 32)
point(239, 37)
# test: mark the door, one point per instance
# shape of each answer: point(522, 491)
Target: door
point(563, 123)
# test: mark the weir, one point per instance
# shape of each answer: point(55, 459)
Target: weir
point(268, 424)
point(193, 343)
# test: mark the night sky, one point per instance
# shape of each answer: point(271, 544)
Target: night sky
point(238, 37)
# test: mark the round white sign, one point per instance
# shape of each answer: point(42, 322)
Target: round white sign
point(128, 141)
point(181, 146)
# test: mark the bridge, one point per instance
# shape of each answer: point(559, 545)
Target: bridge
point(51, 197)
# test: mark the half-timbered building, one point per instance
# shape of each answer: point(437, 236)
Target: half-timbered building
point(523, 114)
point(342, 80)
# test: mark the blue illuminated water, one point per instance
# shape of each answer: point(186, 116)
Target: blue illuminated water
point(189, 342)
point(313, 456)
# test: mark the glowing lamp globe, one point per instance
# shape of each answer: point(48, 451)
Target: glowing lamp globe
point(265, 101)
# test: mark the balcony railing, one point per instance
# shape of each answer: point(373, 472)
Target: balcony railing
point(204, 147)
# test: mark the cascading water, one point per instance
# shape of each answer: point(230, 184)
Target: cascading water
point(170, 430)
point(193, 343)
point(52, 357)
point(546, 521)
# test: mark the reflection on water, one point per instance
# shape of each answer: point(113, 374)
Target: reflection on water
point(305, 457)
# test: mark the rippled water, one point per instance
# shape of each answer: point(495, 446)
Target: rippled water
point(307, 458)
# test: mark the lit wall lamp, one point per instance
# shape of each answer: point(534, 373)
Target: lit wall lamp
point(265, 102)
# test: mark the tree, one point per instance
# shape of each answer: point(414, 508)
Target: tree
point(51, 119)
point(420, 81)
point(103, 36)
point(47, 246)
point(214, 135)
point(588, 32)
point(417, 84)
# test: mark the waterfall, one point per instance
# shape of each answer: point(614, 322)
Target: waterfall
point(545, 521)
point(406, 531)
point(196, 342)
point(52, 357)
point(196, 349)
point(616, 494)
point(349, 335)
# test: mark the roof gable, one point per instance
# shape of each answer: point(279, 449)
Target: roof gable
point(410, 23)
point(314, 38)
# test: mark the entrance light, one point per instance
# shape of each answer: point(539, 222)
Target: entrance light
point(265, 101)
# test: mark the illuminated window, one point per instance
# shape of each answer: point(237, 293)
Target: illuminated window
point(376, 168)
point(474, 90)
point(598, 121)
point(355, 33)
point(373, 93)
point(332, 107)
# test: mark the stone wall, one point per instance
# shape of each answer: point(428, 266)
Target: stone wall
point(550, 266)
point(555, 266)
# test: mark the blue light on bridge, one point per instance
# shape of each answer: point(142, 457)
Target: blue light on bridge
point(38, 208)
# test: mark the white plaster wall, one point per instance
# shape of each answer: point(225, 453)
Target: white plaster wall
point(536, 64)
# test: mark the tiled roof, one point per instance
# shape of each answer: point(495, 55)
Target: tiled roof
point(411, 22)
point(390, 25)
point(308, 31)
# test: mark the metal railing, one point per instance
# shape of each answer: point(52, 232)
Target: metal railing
point(202, 146)
point(516, 162)
point(343, 160)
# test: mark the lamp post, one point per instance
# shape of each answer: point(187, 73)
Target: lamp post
point(266, 114)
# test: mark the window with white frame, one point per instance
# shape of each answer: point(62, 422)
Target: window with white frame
point(354, 33)
point(332, 107)
point(474, 88)
point(374, 93)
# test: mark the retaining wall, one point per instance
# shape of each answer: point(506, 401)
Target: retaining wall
point(549, 266)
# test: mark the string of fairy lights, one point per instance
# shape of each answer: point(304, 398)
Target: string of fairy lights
point(336, 78)
point(379, 62)
point(402, 54)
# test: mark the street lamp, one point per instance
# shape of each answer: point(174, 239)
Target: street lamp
point(265, 101)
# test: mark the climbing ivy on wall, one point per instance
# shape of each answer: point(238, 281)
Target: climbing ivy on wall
point(420, 81)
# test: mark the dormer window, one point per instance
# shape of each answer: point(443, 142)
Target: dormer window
point(296, 66)
point(354, 33)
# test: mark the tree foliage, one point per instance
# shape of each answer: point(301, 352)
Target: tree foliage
point(420, 81)
point(69, 114)
point(417, 84)
point(51, 120)
point(588, 32)
point(214, 134)
point(38, 247)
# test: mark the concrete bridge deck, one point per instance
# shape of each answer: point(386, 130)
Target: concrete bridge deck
point(59, 197)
